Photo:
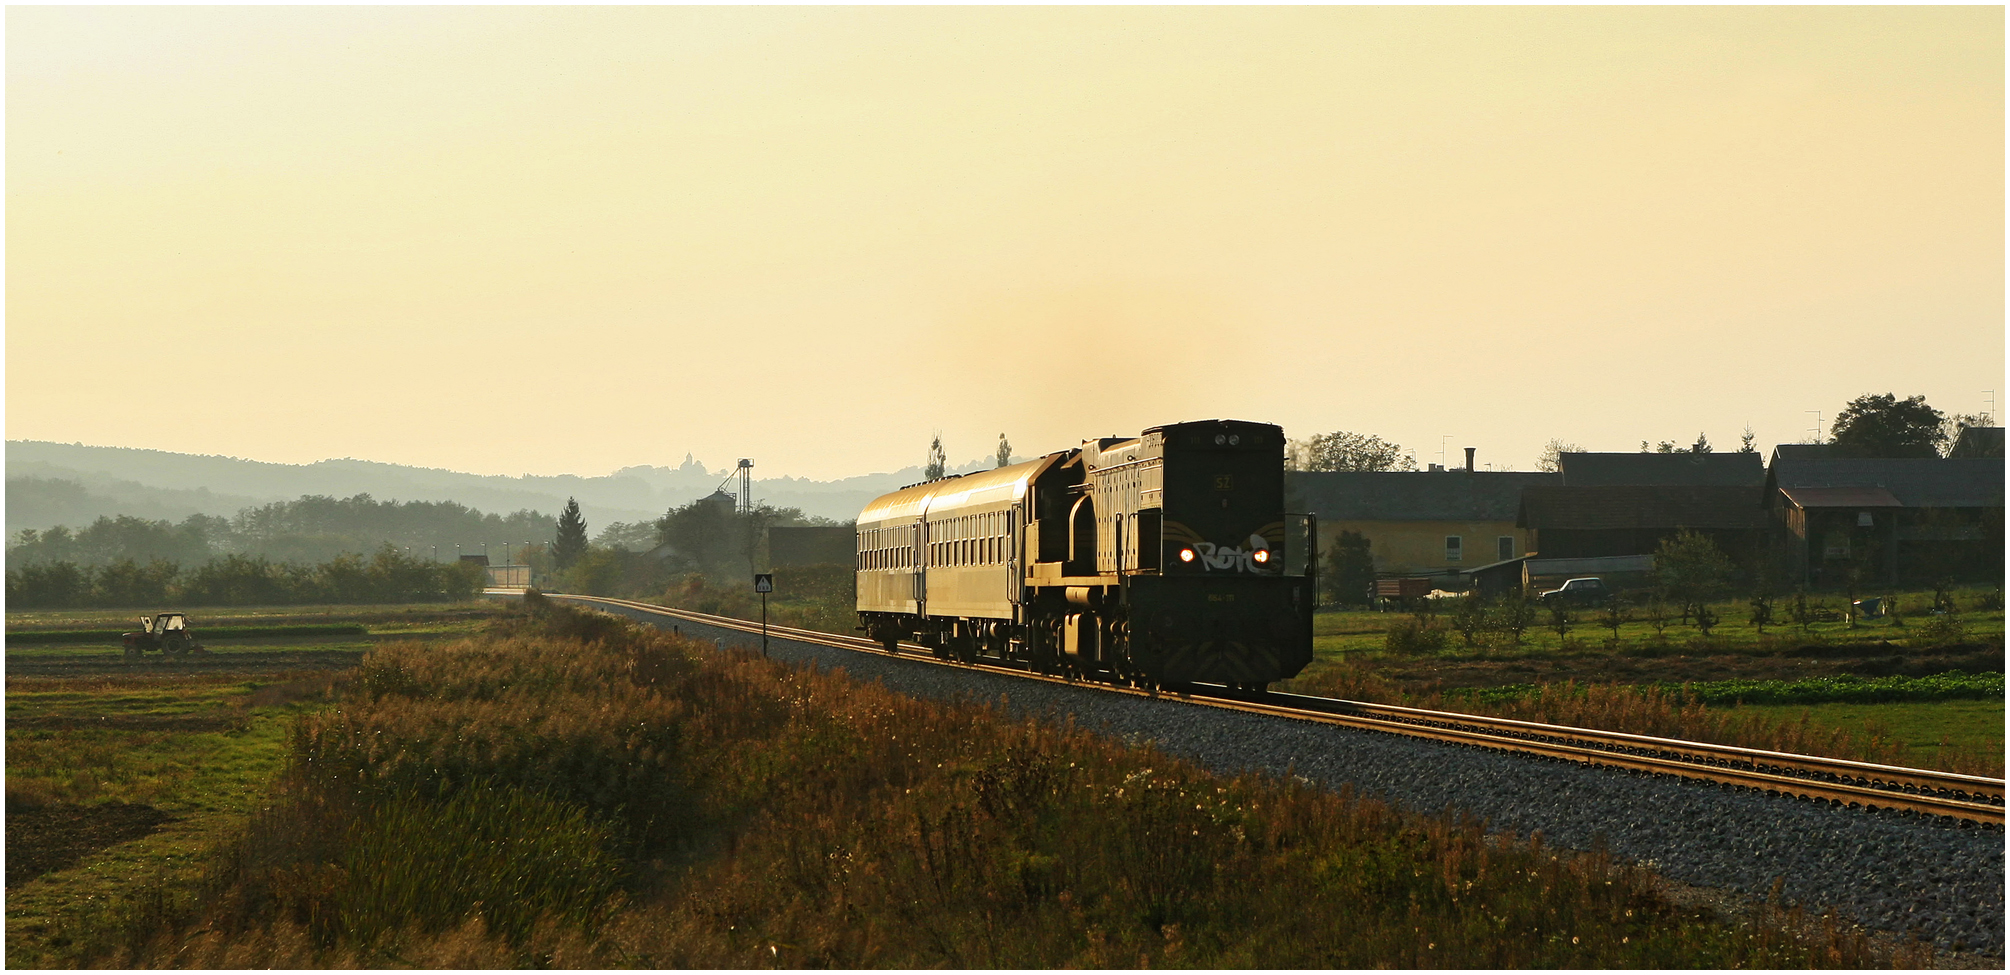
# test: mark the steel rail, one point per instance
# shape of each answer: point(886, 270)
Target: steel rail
point(1971, 798)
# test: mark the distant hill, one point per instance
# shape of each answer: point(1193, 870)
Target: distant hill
point(72, 484)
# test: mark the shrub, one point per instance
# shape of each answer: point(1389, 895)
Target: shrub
point(1416, 635)
point(1940, 630)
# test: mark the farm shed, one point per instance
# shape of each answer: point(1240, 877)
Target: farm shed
point(1592, 522)
point(1661, 470)
point(1977, 442)
point(1896, 520)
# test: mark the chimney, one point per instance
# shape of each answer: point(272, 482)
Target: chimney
point(1469, 459)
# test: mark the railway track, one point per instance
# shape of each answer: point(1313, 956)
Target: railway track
point(1966, 798)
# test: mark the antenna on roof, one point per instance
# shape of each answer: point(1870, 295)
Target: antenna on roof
point(1989, 412)
point(1818, 424)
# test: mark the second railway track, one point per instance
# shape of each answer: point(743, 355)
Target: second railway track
point(1966, 798)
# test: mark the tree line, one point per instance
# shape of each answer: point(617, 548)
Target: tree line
point(312, 530)
point(709, 537)
point(1871, 425)
point(389, 576)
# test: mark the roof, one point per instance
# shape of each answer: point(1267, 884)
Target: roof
point(1802, 451)
point(1841, 497)
point(1915, 482)
point(915, 501)
point(1645, 469)
point(1410, 495)
point(1635, 506)
point(1978, 442)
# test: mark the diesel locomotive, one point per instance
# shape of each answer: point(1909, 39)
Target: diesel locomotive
point(1160, 560)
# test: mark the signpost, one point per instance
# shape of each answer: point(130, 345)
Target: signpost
point(764, 583)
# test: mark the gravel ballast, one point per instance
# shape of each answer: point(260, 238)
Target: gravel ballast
point(1889, 872)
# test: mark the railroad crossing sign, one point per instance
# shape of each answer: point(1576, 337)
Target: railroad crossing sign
point(764, 582)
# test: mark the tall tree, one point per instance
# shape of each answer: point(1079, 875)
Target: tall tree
point(938, 461)
point(571, 541)
point(1690, 569)
point(1344, 451)
point(1349, 578)
point(1747, 442)
point(1551, 460)
point(1954, 426)
point(1886, 426)
point(1004, 451)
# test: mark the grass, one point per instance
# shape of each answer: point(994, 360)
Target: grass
point(1927, 734)
point(673, 807)
point(375, 617)
point(206, 782)
point(188, 751)
point(1339, 632)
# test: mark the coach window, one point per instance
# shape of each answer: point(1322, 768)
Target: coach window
point(1454, 546)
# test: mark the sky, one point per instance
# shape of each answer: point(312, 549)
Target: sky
point(569, 240)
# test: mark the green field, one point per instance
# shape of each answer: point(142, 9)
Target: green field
point(1920, 728)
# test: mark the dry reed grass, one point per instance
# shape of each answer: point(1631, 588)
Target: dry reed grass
point(828, 823)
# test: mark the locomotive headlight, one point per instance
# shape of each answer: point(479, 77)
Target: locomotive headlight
point(1262, 555)
point(1186, 555)
point(1220, 439)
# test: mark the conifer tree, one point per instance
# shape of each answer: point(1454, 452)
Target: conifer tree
point(571, 541)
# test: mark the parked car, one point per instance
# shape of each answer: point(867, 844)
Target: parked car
point(1587, 591)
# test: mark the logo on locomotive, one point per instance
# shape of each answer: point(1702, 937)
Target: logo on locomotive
point(1259, 554)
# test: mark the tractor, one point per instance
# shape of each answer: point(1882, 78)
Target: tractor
point(167, 632)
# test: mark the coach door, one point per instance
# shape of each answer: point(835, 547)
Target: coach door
point(921, 534)
point(1015, 588)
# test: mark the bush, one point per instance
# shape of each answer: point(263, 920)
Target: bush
point(1940, 630)
point(1416, 635)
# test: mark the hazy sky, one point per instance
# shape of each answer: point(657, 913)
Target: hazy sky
point(548, 240)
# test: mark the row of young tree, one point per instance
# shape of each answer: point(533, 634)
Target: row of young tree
point(389, 576)
point(311, 530)
point(1692, 578)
